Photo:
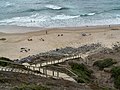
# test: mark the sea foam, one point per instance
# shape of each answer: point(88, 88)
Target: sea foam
point(63, 16)
point(24, 21)
point(88, 14)
point(8, 4)
point(53, 7)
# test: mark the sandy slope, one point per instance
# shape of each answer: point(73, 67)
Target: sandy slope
point(11, 47)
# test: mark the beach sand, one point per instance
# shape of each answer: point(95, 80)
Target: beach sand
point(19, 45)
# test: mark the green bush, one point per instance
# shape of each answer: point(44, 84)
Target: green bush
point(83, 73)
point(115, 71)
point(5, 59)
point(104, 63)
point(117, 82)
point(2, 63)
point(116, 75)
point(30, 87)
point(7, 62)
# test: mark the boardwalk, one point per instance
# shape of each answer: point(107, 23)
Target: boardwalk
point(43, 72)
point(53, 62)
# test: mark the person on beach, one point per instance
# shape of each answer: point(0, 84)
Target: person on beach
point(61, 34)
point(46, 32)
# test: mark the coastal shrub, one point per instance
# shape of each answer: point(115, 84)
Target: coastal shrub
point(116, 75)
point(3, 80)
point(106, 88)
point(95, 86)
point(104, 63)
point(117, 82)
point(115, 71)
point(82, 72)
point(30, 87)
point(2, 63)
point(4, 59)
point(12, 65)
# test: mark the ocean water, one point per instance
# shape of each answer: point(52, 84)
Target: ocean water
point(59, 13)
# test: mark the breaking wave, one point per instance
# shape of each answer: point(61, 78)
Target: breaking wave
point(89, 14)
point(64, 17)
point(24, 21)
point(47, 7)
point(54, 7)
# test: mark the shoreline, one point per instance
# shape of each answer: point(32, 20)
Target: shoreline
point(25, 29)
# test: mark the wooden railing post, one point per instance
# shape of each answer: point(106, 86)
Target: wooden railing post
point(46, 72)
point(51, 61)
point(39, 69)
point(40, 64)
point(57, 74)
point(53, 73)
point(1, 68)
point(5, 68)
point(43, 71)
point(33, 68)
point(8, 69)
point(35, 65)
point(54, 62)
